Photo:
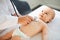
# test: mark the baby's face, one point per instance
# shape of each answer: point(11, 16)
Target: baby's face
point(46, 17)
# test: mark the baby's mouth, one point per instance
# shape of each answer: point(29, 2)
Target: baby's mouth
point(47, 22)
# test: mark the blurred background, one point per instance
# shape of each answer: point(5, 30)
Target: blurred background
point(51, 3)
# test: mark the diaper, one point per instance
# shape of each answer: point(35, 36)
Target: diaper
point(18, 32)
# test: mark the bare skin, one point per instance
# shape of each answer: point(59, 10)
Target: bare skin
point(47, 15)
point(7, 36)
point(16, 38)
point(24, 20)
point(34, 28)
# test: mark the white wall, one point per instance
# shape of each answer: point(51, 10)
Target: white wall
point(52, 3)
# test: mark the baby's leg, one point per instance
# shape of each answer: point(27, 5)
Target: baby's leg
point(16, 38)
point(33, 28)
point(7, 36)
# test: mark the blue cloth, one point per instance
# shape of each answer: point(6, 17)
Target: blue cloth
point(22, 7)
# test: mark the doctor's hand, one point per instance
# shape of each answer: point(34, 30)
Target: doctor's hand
point(24, 20)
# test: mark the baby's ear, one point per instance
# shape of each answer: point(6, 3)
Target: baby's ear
point(52, 17)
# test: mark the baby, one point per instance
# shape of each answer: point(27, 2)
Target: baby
point(41, 16)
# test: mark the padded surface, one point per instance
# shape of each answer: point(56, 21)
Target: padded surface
point(54, 29)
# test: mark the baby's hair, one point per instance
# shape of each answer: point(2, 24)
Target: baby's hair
point(53, 14)
point(51, 11)
point(48, 11)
